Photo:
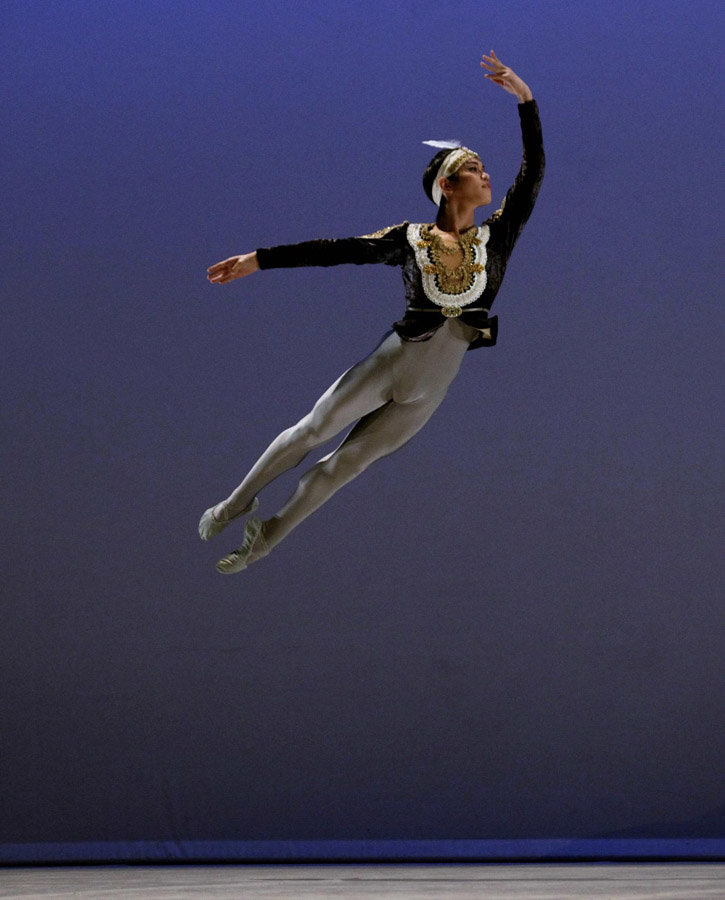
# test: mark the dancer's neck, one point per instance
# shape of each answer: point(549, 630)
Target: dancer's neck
point(454, 220)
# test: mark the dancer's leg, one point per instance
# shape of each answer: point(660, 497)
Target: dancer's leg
point(377, 434)
point(362, 388)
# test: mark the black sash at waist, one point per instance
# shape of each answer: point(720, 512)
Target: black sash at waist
point(464, 309)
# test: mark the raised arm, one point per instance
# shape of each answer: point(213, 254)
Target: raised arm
point(521, 196)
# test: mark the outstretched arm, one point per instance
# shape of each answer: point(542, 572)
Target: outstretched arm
point(234, 267)
point(385, 246)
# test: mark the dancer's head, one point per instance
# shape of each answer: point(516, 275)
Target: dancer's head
point(457, 172)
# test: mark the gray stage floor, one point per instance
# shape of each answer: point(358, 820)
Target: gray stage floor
point(411, 881)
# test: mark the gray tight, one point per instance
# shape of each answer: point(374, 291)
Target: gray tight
point(390, 395)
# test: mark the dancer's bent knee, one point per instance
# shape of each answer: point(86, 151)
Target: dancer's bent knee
point(311, 431)
point(342, 466)
point(320, 425)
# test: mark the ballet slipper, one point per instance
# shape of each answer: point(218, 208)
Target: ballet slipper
point(253, 547)
point(209, 526)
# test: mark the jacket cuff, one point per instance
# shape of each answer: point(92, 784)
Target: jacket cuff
point(263, 257)
point(527, 107)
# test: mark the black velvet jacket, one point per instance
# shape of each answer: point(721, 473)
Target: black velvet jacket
point(405, 245)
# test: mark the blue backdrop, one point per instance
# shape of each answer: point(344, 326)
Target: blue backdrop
point(504, 639)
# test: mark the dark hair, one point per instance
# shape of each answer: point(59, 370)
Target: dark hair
point(432, 168)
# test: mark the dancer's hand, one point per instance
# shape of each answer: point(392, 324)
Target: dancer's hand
point(234, 267)
point(507, 78)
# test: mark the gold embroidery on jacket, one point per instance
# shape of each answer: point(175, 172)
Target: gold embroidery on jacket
point(455, 279)
point(382, 232)
point(499, 212)
point(465, 279)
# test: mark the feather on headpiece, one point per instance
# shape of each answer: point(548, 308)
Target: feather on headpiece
point(444, 145)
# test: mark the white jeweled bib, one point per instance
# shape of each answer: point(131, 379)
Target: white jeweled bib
point(455, 288)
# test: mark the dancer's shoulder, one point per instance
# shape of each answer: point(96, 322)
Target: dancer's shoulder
point(494, 217)
point(384, 232)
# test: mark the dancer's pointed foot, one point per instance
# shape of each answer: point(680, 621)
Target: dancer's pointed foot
point(254, 547)
point(210, 524)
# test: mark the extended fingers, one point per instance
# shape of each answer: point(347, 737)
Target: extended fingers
point(224, 264)
point(493, 62)
point(219, 278)
point(221, 272)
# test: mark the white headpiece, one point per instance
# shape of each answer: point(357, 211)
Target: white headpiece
point(450, 164)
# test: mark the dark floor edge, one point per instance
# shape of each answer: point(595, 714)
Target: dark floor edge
point(351, 851)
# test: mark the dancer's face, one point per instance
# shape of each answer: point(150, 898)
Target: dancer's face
point(473, 185)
